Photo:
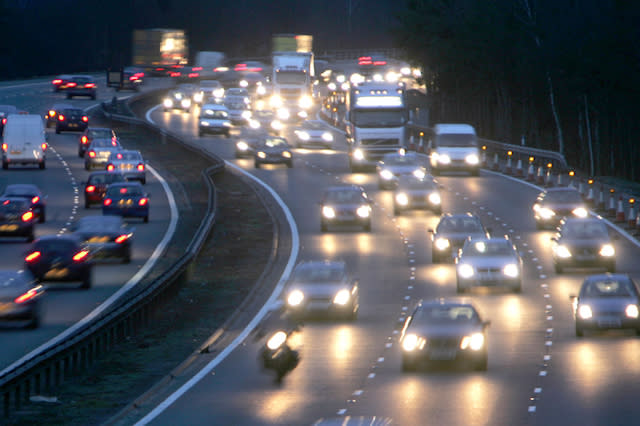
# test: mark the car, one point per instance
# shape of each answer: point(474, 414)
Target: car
point(414, 193)
point(606, 302)
point(72, 119)
point(254, 83)
point(20, 297)
point(272, 150)
point(30, 192)
point(81, 85)
point(98, 152)
point(451, 233)
point(24, 141)
point(265, 118)
point(397, 164)
point(322, 287)
point(553, 204)
point(60, 257)
point(583, 243)
point(91, 133)
point(128, 163)
point(488, 262)
point(60, 82)
point(132, 79)
point(313, 133)
point(105, 236)
point(238, 91)
point(454, 147)
point(51, 117)
point(447, 331)
point(239, 111)
point(126, 199)
point(212, 88)
point(5, 110)
point(16, 218)
point(345, 205)
point(194, 92)
point(96, 186)
point(176, 99)
point(214, 118)
point(246, 145)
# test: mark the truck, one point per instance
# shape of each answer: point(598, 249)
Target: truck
point(293, 72)
point(376, 118)
point(159, 50)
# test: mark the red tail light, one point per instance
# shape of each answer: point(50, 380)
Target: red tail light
point(107, 202)
point(196, 69)
point(141, 167)
point(143, 201)
point(85, 118)
point(110, 167)
point(174, 74)
point(57, 81)
point(4, 121)
point(92, 154)
point(119, 156)
point(35, 199)
point(27, 216)
point(380, 63)
point(4, 147)
point(52, 113)
point(44, 146)
point(84, 140)
point(114, 142)
point(33, 256)
point(193, 74)
point(133, 78)
point(89, 85)
point(27, 296)
point(60, 117)
point(81, 255)
point(90, 188)
point(122, 238)
point(72, 84)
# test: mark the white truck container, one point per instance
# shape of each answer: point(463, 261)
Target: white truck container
point(454, 147)
point(24, 141)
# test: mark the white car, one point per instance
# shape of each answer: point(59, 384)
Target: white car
point(24, 141)
point(214, 118)
point(212, 89)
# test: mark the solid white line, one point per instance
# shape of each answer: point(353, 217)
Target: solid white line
point(160, 248)
point(295, 247)
point(147, 116)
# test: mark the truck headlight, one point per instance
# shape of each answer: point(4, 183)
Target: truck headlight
point(378, 77)
point(342, 297)
point(332, 86)
point(511, 270)
point(327, 137)
point(328, 212)
point(442, 244)
point(363, 211)
point(585, 312)
point(246, 114)
point(472, 159)
point(204, 123)
point(443, 159)
point(419, 173)
point(475, 342)
point(580, 212)
point(168, 103)
point(434, 198)
point(242, 146)
point(275, 101)
point(261, 90)
point(295, 298)
point(198, 97)
point(344, 86)
point(358, 155)
point(218, 93)
point(303, 136)
point(283, 114)
point(305, 102)
point(465, 271)
point(386, 174)
point(631, 311)
point(402, 199)
point(607, 250)
point(254, 124)
point(562, 251)
point(276, 125)
point(186, 103)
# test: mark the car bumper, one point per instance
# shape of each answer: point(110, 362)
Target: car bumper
point(608, 322)
point(61, 273)
point(129, 212)
point(78, 127)
point(103, 251)
point(322, 308)
point(443, 355)
point(16, 229)
point(18, 312)
point(489, 282)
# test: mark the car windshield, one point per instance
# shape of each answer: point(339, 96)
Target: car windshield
point(100, 133)
point(460, 224)
point(347, 196)
point(12, 207)
point(313, 125)
point(124, 191)
point(400, 160)
point(445, 314)
point(488, 248)
point(563, 197)
point(212, 113)
point(584, 229)
point(275, 143)
point(318, 274)
point(417, 184)
point(608, 288)
point(456, 140)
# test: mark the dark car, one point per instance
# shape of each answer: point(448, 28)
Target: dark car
point(246, 144)
point(5, 111)
point(272, 150)
point(132, 79)
point(553, 204)
point(20, 298)
point(605, 302)
point(314, 133)
point(129, 163)
point(583, 243)
point(105, 236)
point(444, 331)
point(60, 82)
point(96, 186)
point(81, 85)
point(72, 119)
point(51, 117)
point(60, 258)
point(345, 205)
point(31, 193)
point(16, 218)
point(416, 193)
point(91, 133)
point(452, 232)
point(127, 200)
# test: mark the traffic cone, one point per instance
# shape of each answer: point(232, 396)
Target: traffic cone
point(620, 211)
point(560, 180)
point(631, 220)
point(581, 188)
point(496, 164)
point(600, 206)
point(611, 211)
point(637, 229)
point(531, 174)
point(540, 176)
point(590, 196)
point(508, 168)
point(421, 144)
point(519, 171)
point(548, 179)
point(412, 143)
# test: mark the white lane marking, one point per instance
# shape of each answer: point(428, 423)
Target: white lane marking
point(371, 375)
point(342, 411)
point(537, 390)
point(295, 247)
point(381, 359)
point(532, 408)
point(159, 250)
point(358, 392)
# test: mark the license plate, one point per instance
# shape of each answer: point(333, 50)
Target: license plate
point(98, 239)
point(57, 273)
point(4, 307)
point(16, 152)
point(125, 202)
point(583, 257)
point(442, 354)
point(73, 125)
point(609, 323)
point(8, 227)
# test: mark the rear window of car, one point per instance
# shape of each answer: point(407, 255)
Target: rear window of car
point(13, 206)
point(124, 191)
point(100, 133)
point(104, 143)
point(445, 314)
point(82, 80)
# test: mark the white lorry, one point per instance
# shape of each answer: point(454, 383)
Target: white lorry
point(24, 141)
point(376, 117)
point(292, 80)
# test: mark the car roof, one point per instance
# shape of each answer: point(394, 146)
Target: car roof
point(220, 107)
point(447, 302)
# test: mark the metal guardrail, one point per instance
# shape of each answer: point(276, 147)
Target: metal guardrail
point(48, 368)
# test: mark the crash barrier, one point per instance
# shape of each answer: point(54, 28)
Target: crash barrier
point(48, 366)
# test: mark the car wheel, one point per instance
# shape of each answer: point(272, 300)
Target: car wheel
point(200, 134)
point(579, 332)
point(165, 110)
point(256, 164)
point(460, 289)
point(127, 258)
point(43, 217)
point(5, 165)
point(475, 172)
point(481, 364)
point(80, 154)
point(144, 181)
point(86, 166)
point(86, 282)
point(434, 257)
point(57, 131)
point(397, 211)
point(146, 219)
point(637, 331)
point(42, 165)
point(367, 226)
point(290, 164)
point(435, 172)
point(408, 365)
point(539, 226)
point(86, 204)
point(68, 96)
point(30, 237)
point(35, 322)
point(611, 268)
point(558, 268)
point(324, 227)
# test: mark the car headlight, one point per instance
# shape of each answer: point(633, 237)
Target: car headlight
point(327, 136)
point(511, 270)
point(226, 123)
point(286, 154)
point(304, 135)
point(197, 97)
point(242, 145)
point(358, 155)
point(402, 199)
point(275, 101)
point(631, 311)
point(246, 114)
point(410, 342)
point(363, 211)
point(475, 342)
point(580, 212)
point(562, 251)
point(344, 86)
point(186, 103)
point(303, 114)
point(442, 244)
point(546, 213)
point(386, 174)
point(261, 90)
point(391, 77)
point(262, 155)
point(332, 86)
point(277, 340)
point(283, 113)
point(167, 103)
point(465, 270)
point(254, 124)
point(328, 212)
point(204, 123)
point(472, 159)
point(585, 312)
point(434, 198)
point(607, 250)
point(443, 159)
point(243, 83)
point(295, 298)
point(218, 93)
point(276, 125)
point(419, 173)
point(342, 297)
point(305, 102)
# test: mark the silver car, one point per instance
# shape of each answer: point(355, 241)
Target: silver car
point(488, 262)
point(414, 193)
point(451, 233)
point(607, 301)
point(583, 243)
point(129, 163)
point(98, 152)
point(345, 205)
point(444, 331)
point(239, 110)
point(323, 287)
point(398, 164)
point(214, 118)
point(313, 133)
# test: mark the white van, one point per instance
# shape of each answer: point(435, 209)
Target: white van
point(454, 147)
point(24, 141)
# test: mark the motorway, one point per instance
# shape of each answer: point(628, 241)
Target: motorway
point(65, 304)
point(539, 373)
